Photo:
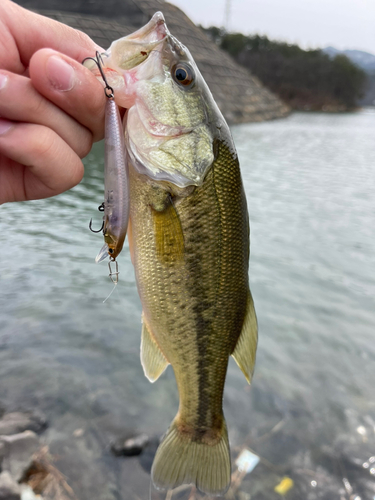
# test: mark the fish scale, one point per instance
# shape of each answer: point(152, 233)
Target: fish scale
point(194, 309)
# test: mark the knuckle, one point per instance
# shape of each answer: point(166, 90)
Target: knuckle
point(37, 106)
point(43, 143)
point(76, 172)
point(84, 144)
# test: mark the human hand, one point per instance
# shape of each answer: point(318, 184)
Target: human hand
point(51, 107)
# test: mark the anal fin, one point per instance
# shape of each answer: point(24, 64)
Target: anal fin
point(152, 359)
point(245, 350)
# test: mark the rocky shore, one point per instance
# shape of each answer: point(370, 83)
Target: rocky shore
point(26, 468)
point(276, 461)
point(19, 444)
point(27, 471)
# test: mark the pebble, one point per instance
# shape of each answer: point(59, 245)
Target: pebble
point(9, 488)
point(130, 446)
point(16, 422)
point(19, 449)
point(78, 433)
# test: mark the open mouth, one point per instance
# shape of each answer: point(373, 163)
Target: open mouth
point(130, 51)
point(154, 28)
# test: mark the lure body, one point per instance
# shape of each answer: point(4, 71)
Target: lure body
point(116, 185)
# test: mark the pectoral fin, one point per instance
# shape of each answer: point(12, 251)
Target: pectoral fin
point(169, 238)
point(245, 350)
point(152, 359)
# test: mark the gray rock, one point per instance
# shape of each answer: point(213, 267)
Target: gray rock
point(19, 450)
point(131, 446)
point(9, 488)
point(16, 422)
point(147, 457)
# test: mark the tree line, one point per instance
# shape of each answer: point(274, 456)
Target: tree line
point(305, 79)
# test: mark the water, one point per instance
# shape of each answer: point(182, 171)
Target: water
point(310, 414)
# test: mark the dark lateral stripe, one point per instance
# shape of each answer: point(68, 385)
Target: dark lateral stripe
point(202, 327)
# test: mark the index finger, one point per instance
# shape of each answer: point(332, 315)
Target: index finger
point(32, 32)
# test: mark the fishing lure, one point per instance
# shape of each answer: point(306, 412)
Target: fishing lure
point(116, 182)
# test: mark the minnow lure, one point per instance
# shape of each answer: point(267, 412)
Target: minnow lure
point(116, 182)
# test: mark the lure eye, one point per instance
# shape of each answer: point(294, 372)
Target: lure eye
point(110, 250)
point(183, 74)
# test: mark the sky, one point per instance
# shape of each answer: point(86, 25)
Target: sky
point(344, 24)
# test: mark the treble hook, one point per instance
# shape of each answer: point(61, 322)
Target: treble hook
point(99, 62)
point(93, 230)
point(101, 209)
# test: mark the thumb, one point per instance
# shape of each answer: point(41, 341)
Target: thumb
point(32, 32)
point(71, 87)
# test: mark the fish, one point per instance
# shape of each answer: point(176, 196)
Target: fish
point(116, 185)
point(189, 242)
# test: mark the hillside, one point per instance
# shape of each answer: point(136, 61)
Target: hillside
point(365, 61)
point(240, 96)
point(304, 79)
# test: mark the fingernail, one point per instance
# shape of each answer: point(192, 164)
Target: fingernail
point(3, 80)
point(5, 125)
point(60, 74)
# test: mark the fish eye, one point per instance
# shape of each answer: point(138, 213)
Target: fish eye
point(183, 74)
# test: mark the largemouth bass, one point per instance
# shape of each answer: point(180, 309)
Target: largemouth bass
point(189, 242)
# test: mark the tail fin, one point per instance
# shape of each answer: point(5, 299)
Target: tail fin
point(180, 460)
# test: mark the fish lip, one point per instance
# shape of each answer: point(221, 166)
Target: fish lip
point(142, 42)
point(156, 24)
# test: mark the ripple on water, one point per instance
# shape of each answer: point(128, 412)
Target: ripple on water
point(310, 183)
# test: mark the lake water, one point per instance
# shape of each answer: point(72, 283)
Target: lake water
point(310, 413)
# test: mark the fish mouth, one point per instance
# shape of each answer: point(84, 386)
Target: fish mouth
point(154, 30)
point(160, 145)
point(130, 51)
